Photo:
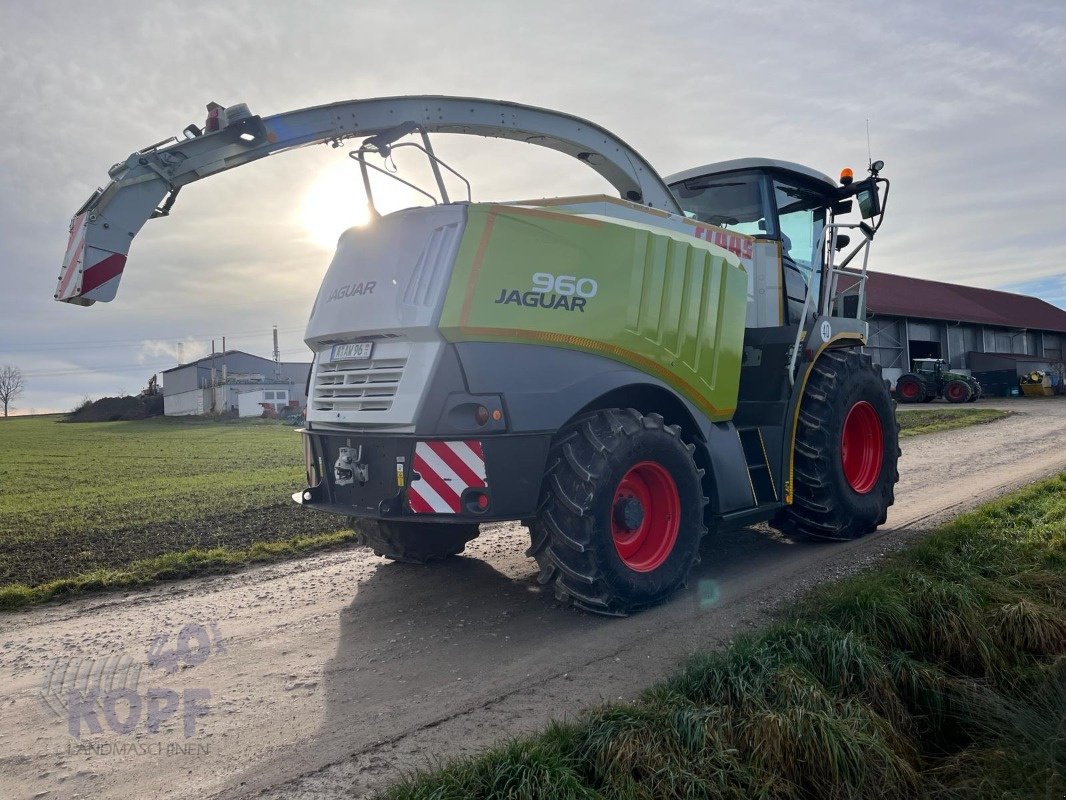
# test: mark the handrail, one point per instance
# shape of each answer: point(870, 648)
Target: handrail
point(358, 156)
point(833, 273)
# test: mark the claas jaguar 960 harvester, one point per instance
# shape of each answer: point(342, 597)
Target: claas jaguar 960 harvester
point(620, 373)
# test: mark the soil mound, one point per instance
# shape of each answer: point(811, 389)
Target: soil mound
point(112, 409)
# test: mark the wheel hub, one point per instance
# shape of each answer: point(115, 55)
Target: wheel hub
point(862, 444)
point(628, 513)
point(645, 516)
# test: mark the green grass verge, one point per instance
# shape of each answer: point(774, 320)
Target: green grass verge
point(170, 566)
point(940, 674)
point(930, 420)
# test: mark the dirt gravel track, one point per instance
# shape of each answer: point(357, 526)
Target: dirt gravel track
point(329, 676)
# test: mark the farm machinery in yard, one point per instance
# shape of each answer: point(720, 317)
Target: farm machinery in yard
point(931, 379)
point(622, 374)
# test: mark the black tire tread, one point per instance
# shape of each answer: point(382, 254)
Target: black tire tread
point(817, 510)
point(561, 533)
point(413, 542)
point(966, 397)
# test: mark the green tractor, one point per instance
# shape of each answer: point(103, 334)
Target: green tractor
point(622, 374)
point(931, 379)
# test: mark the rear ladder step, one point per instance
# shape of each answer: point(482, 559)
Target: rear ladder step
point(758, 464)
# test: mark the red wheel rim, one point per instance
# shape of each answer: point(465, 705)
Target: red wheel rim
point(645, 516)
point(862, 447)
point(955, 391)
point(908, 389)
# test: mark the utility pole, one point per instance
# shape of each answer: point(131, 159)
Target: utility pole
point(277, 356)
point(212, 375)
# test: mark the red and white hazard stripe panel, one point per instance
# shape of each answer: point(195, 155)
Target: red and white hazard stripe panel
point(442, 471)
point(86, 269)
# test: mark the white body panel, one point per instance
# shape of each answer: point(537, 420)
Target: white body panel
point(765, 298)
point(386, 284)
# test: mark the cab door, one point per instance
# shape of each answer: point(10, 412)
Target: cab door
point(800, 214)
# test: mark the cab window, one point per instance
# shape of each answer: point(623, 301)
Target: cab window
point(801, 218)
point(734, 201)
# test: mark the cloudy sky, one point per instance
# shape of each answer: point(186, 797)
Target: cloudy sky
point(966, 103)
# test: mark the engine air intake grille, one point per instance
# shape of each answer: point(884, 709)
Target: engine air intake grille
point(357, 385)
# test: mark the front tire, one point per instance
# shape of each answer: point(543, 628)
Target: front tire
point(846, 451)
point(413, 542)
point(958, 392)
point(621, 516)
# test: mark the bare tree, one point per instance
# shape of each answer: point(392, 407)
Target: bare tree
point(12, 385)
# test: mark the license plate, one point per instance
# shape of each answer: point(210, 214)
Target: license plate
point(356, 351)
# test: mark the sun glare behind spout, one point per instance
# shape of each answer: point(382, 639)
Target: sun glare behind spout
point(334, 202)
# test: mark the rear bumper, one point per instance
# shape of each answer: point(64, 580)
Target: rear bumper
point(371, 476)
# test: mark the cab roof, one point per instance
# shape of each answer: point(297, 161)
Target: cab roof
point(738, 164)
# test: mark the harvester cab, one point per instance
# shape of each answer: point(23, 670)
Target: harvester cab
point(621, 374)
point(791, 215)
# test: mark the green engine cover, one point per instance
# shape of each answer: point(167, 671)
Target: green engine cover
point(666, 303)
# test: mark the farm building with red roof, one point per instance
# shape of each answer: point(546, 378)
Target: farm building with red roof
point(913, 318)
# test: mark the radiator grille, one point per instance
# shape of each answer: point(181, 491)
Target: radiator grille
point(357, 385)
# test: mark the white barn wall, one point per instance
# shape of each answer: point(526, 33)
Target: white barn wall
point(184, 403)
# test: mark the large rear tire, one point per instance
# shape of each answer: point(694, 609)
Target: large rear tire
point(846, 452)
point(621, 515)
point(413, 542)
point(910, 389)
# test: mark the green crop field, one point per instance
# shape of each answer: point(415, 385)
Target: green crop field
point(80, 498)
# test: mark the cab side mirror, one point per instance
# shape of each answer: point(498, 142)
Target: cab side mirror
point(869, 200)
